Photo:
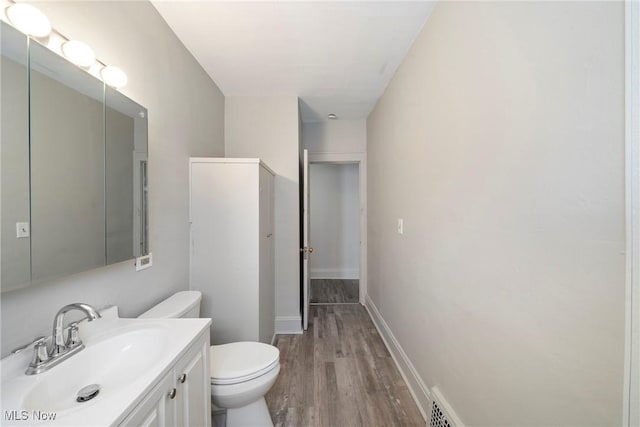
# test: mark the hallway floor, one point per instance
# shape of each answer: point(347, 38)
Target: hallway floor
point(339, 373)
point(334, 291)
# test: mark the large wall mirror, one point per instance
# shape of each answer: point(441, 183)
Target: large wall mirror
point(74, 162)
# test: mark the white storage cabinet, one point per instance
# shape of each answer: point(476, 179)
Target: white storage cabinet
point(232, 247)
point(183, 395)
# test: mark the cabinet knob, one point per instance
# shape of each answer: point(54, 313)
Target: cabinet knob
point(172, 393)
point(182, 378)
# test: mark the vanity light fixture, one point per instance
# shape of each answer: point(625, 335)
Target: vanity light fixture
point(29, 19)
point(79, 53)
point(113, 76)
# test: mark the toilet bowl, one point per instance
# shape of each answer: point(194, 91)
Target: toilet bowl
point(241, 372)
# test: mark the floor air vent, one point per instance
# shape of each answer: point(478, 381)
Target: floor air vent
point(438, 418)
point(441, 414)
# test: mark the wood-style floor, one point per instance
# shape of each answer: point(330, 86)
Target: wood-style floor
point(334, 291)
point(339, 373)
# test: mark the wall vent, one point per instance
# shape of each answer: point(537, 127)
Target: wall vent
point(441, 414)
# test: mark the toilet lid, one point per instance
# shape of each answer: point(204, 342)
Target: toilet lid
point(241, 361)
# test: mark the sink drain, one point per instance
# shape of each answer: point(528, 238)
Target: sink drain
point(87, 393)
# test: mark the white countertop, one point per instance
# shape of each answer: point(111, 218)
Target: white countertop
point(121, 390)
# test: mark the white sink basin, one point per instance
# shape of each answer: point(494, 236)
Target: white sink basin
point(125, 357)
point(112, 363)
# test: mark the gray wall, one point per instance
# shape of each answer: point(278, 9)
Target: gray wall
point(186, 118)
point(334, 221)
point(67, 175)
point(16, 268)
point(120, 182)
point(267, 128)
point(335, 136)
point(500, 142)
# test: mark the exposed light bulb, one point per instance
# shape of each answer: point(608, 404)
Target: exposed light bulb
point(29, 19)
point(114, 76)
point(79, 53)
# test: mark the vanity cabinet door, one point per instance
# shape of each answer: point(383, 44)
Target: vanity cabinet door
point(183, 396)
point(193, 383)
point(158, 409)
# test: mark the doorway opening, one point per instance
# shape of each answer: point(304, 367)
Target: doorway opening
point(334, 220)
point(306, 240)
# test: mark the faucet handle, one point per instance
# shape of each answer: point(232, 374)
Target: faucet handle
point(26, 346)
point(40, 354)
point(40, 357)
point(73, 339)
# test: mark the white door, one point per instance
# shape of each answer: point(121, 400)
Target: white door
point(306, 249)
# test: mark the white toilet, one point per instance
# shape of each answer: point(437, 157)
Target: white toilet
point(241, 372)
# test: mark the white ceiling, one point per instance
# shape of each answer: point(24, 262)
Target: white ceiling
point(338, 57)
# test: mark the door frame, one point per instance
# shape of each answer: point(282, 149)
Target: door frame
point(306, 241)
point(361, 160)
point(631, 401)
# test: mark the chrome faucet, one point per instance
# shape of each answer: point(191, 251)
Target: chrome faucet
point(60, 348)
point(58, 343)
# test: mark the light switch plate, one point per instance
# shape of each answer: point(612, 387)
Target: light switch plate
point(22, 230)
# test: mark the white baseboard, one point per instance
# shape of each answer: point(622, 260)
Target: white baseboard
point(288, 325)
point(335, 273)
point(417, 387)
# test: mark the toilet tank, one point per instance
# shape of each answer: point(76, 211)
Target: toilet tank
point(181, 304)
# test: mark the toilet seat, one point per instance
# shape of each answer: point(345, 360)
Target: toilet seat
point(241, 361)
